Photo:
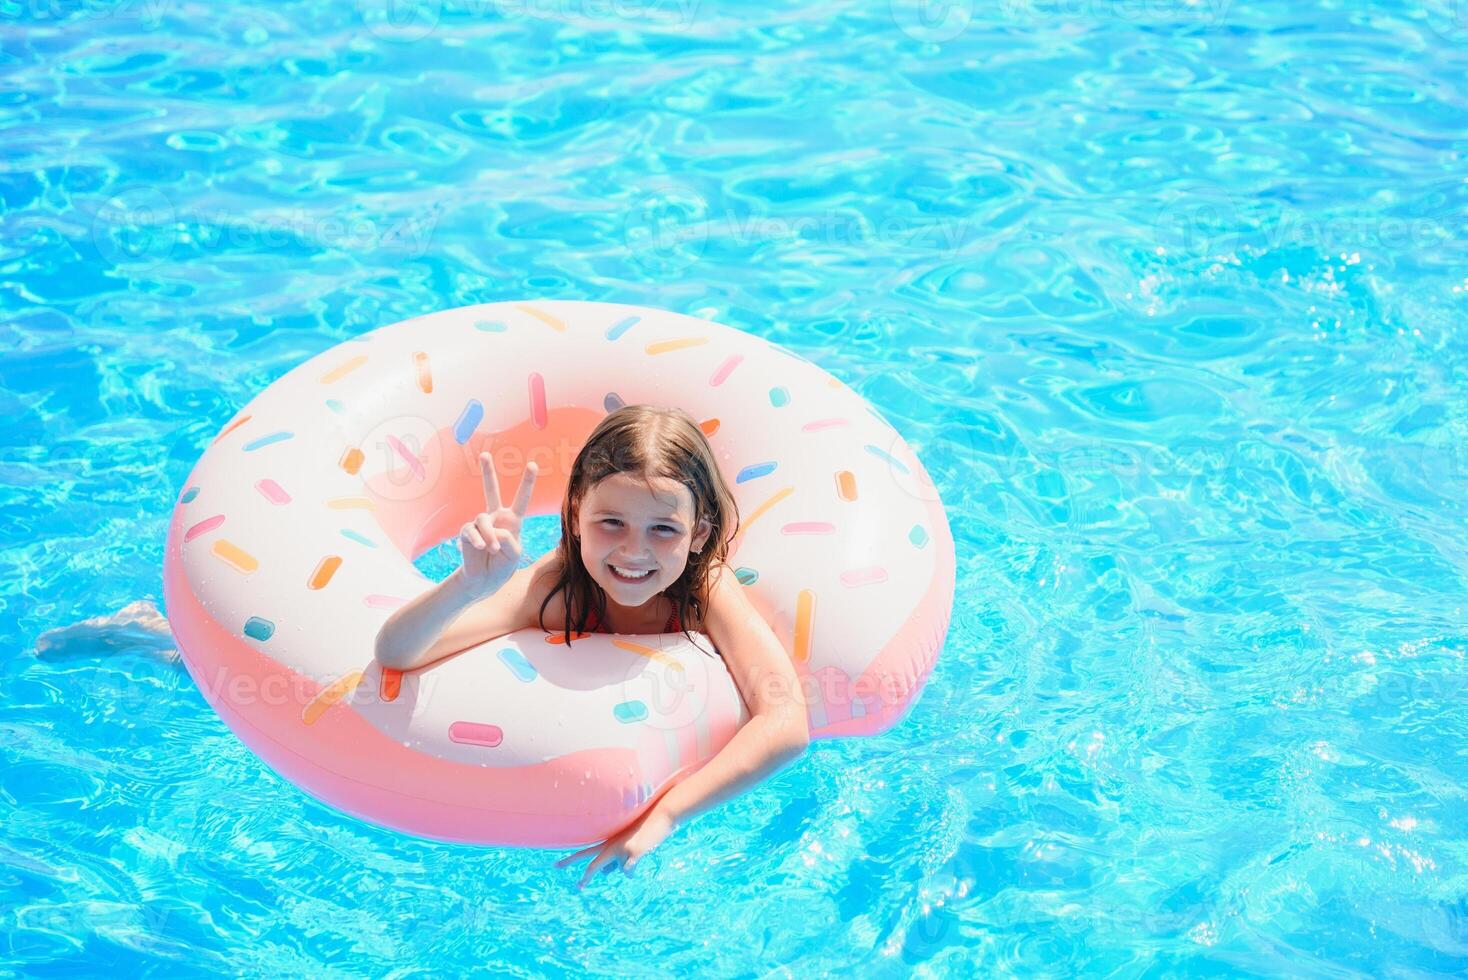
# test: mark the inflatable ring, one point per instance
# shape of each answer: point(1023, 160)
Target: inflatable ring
point(295, 535)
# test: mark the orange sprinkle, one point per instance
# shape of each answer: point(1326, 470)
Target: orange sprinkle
point(352, 460)
point(232, 426)
point(846, 485)
point(425, 375)
point(805, 612)
point(664, 346)
point(544, 318)
point(648, 652)
point(343, 369)
point(390, 684)
point(561, 637)
point(709, 426)
point(235, 556)
point(325, 569)
point(351, 503)
point(759, 511)
point(329, 696)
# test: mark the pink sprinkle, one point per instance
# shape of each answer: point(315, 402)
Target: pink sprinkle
point(383, 601)
point(273, 492)
point(414, 463)
point(820, 424)
point(864, 576)
point(808, 527)
point(474, 733)
point(204, 527)
point(725, 369)
point(537, 400)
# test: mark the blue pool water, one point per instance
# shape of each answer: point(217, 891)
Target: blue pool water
point(1169, 297)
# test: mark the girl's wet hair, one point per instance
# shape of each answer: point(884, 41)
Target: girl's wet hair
point(646, 442)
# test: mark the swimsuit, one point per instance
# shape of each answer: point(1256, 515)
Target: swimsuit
point(593, 625)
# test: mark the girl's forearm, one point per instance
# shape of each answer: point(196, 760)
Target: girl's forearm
point(761, 748)
point(412, 628)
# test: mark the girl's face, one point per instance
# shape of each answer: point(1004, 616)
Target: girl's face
point(634, 543)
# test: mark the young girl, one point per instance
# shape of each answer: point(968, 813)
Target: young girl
point(645, 531)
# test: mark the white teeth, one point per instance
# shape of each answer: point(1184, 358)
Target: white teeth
point(630, 575)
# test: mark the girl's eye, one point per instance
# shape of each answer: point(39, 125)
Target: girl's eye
point(660, 527)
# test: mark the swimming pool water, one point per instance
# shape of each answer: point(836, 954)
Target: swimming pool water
point(1169, 297)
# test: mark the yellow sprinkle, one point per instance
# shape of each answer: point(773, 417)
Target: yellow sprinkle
point(329, 696)
point(805, 612)
point(544, 317)
point(342, 370)
point(648, 652)
point(759, 511)
point(351, 503)
point(663, 346)
point(234, 556)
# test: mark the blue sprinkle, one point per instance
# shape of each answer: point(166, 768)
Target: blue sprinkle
point(353, 535)
point(259, 629)
point(334, 405)
point(779, 397)
point(469, 420)
point(754, 471)
point(883, 454)
point(630, 711)
point(490, 326)
point(622, 327)
point(746, 576)
point(612, 402)
point(918, 535)
point(269, 440)
point(519, 666)
point(188, 495)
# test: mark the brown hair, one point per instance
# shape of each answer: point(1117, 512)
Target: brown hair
point(646, 441)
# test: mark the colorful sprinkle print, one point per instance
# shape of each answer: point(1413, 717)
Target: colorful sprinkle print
point(352, 460)
point(523, 669)
point(424, 372)
point(863, 576)
point(231, 427)
point(234, 556)
point(622, 327)
point(629, 712)
point(553, 322)
point(490, 326)
point(343, 369)
point(408, 456)
point(351, 503)
point(724, 370)
point(918, 535)
point(538, 413)
point(846, 485)
point(325, 569)
point(805, 614)
point(189, 495)
point(383, 601)
point(269, 440)
point(808, 527)
point(476, 733)
point(779, 397)
point(273, 492)
point(754, 471)
point(390, 685)
point(468, 421)
point(259, 629)
point(351, 535)
point(329, 696)
point(820, 424)
point(203, 527)
point(682, 343)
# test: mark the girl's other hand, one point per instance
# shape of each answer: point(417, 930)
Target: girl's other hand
point(489, 545)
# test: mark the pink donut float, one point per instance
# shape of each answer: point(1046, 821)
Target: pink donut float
point(295, 535)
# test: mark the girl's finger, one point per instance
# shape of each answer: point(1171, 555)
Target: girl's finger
point(527, 487)
point(491, 483)
point(472, 535)
point(572, 857)
point(487, 530)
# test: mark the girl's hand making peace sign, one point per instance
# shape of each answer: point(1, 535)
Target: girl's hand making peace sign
point(490, 544)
